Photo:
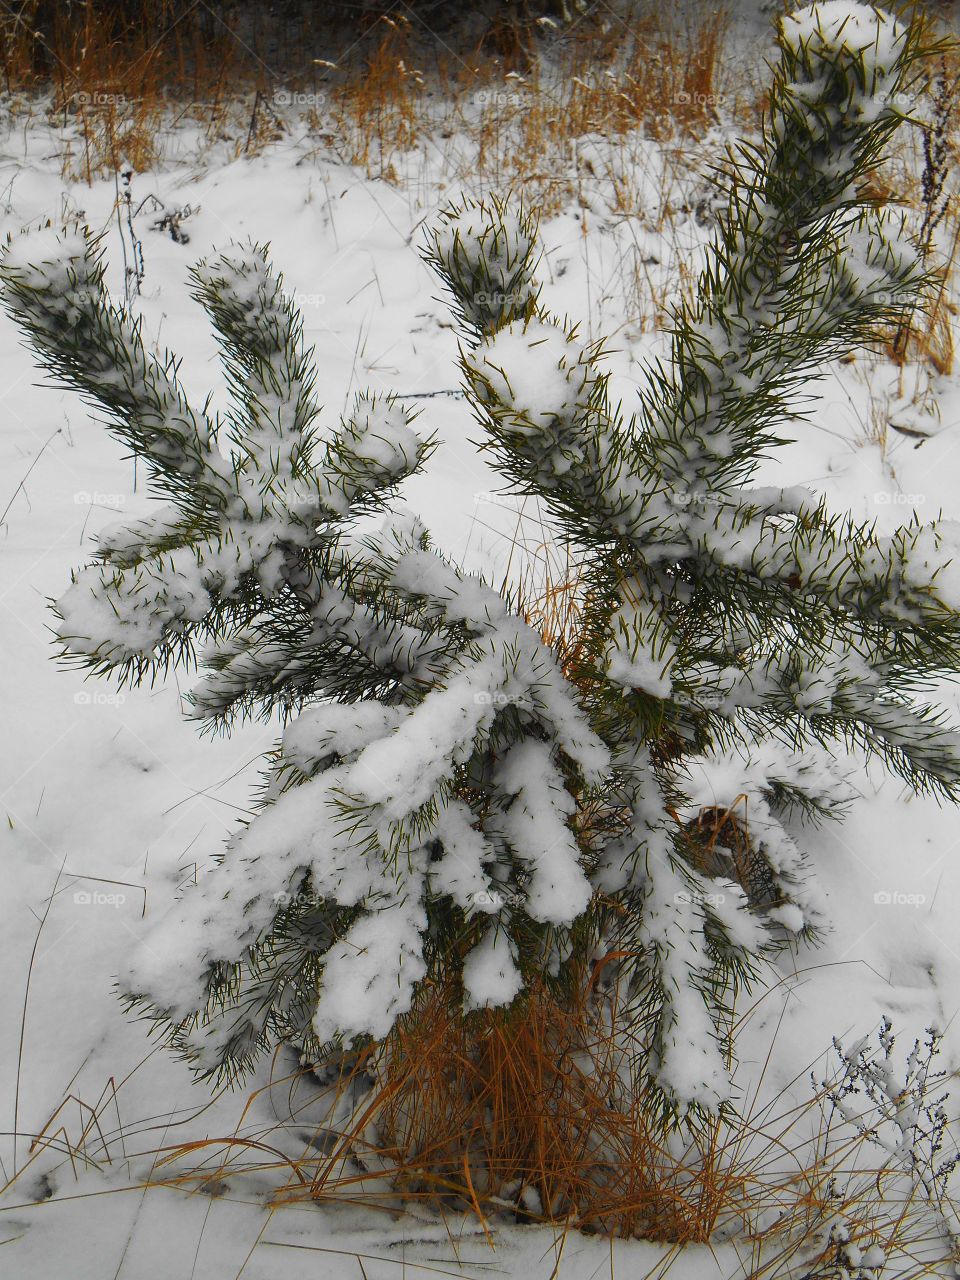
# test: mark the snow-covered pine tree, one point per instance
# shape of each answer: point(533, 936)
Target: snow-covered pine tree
point(451, 796)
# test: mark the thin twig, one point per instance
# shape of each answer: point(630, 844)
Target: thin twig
point(23, 1017)
point(27, 473)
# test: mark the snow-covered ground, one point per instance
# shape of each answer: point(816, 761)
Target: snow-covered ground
point(112, 801)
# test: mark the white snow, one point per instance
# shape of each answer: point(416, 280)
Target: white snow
point(536, 825)
point(540, 373)
point(847, 28)
point(490, 974)
point(371, 975)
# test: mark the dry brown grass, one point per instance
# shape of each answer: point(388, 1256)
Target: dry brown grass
point(920, 177)
point(531, 1117)
point(530, 1109)
point(513, 116)
point(115, 83)
point(523, 1119)
point(376, 111)
point(153, 47)
point(928, 337)
point(659, 81)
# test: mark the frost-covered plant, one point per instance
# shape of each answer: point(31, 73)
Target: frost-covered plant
point(900, 1112)
point(452, 796)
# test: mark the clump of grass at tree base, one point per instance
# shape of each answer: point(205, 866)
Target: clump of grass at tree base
point(536, 1135)
point(776, 1177)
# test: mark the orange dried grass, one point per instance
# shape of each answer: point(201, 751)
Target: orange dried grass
point(927, 336)
point(534, 1112)
point(376, 110)
point(531, 1108)
point(664, 84)
point(121, 80)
